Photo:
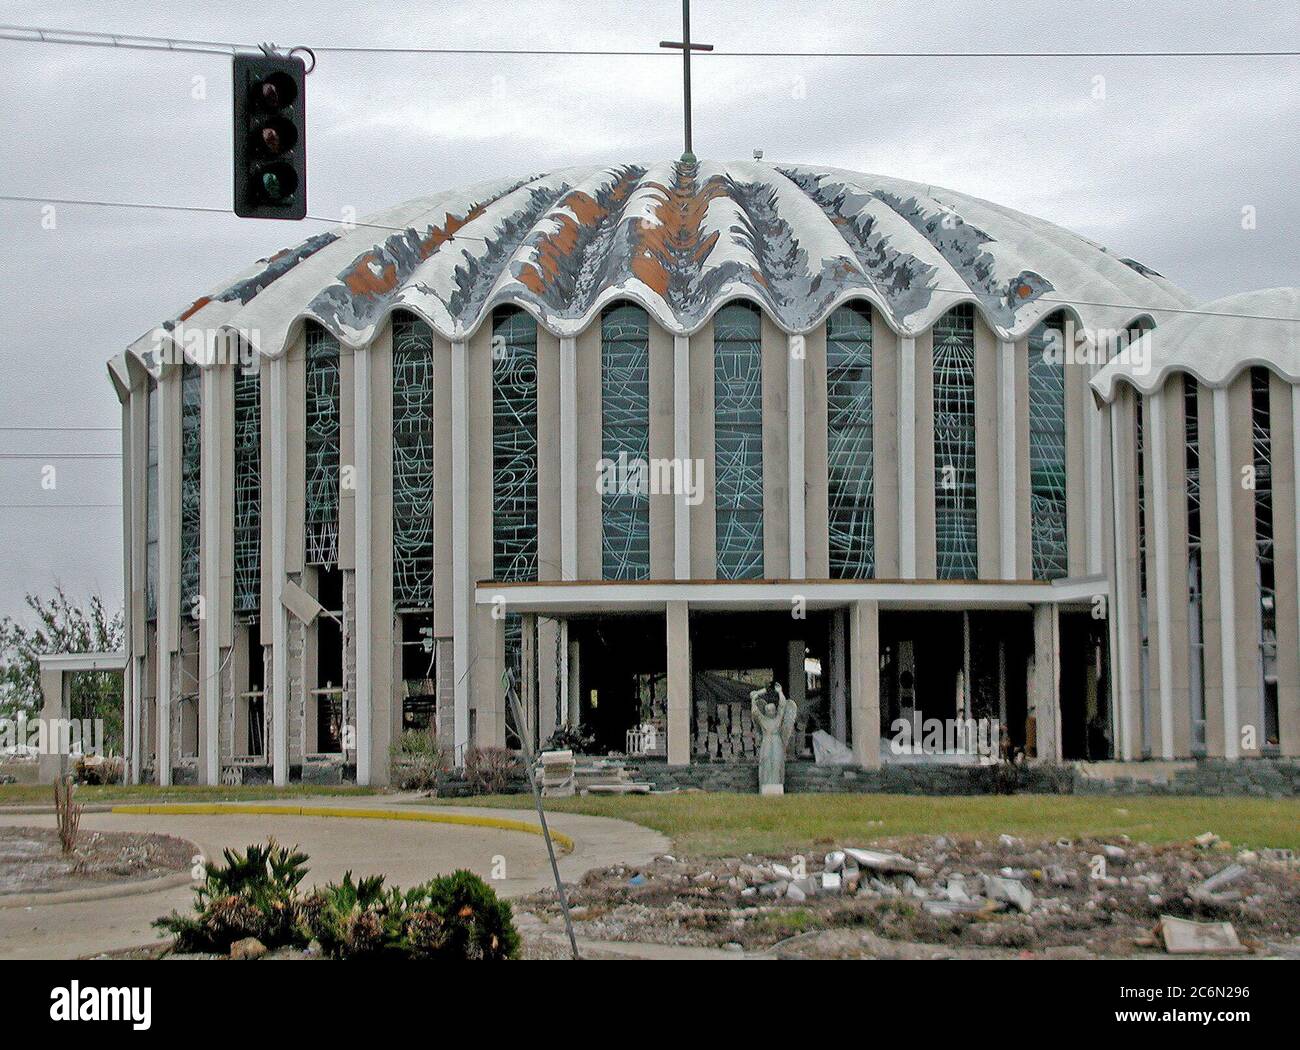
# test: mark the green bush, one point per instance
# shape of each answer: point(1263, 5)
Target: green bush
point(256, 894)
point(455, 916)
point(253, 894)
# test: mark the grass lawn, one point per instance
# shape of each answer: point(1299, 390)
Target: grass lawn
point(90, 794)
point(726, 825)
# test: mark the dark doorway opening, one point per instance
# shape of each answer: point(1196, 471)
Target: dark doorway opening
point(1085, 688)
point(622, 677)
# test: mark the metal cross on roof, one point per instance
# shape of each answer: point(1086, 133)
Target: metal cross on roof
point(686, 48)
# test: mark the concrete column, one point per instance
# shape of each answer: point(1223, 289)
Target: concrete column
point(1007, 458)
point(678, 638)
point(864, 685)
point(550, 679)
point(795, 673)
point(682, 454)
point(795, 447)
point(906, 459)
point(1160, 583)
point(462, 585)
point(836, 679)
point(568, 458)
point(279, 441)
point(1223, 489)
point(53, 762)
point(1044, 683)
point(1289, 691)
point(1122, 599)
point(364, 554)
point(572, 678)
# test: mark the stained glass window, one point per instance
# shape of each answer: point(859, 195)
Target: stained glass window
point(1266, 580)
point(954, 445)
point(625, 442)
point(248, 490)
point(849, 442)
point(738, 441)
point(191, 504)
point(1195, 592)
point(412, 463)
point(1047, 448)
point(322, 447)
point(151, 507)
point(514, 445)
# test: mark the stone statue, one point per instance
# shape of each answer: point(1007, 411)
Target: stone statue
point(776, 722)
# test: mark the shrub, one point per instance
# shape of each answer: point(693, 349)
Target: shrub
point(455, 916)
point(489, 770)
point(419, 761)
point(253, 894)
point(256, 894)
point(67, 813)
point(92, 769)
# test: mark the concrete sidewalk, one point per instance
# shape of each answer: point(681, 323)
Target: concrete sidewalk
point(405, 852)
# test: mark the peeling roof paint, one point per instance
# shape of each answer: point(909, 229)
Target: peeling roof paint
point(1215, 344)
point(681, 239)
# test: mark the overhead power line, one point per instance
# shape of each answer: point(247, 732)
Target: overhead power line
point(77, 38)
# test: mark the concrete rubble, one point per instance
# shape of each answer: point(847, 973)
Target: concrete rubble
point(1001, 893)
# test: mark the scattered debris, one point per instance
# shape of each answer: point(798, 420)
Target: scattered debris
point(1008, 891)
point(1184, 937)
point(954, 894)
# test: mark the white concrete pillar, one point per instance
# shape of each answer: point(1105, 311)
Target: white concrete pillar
point(363, 557)
point(864, 687)
point(462, 585)
point(795, 448)
point(1295, 474)
point(678, 641)
point(1224, 482)
point(1007, 458)
point(279, 445)
point(1160, 582)
point(568, 458)
point(682, 454)
point(1045, 676)
point(1126, 747)
point(906, 459)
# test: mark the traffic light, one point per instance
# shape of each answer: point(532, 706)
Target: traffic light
point(270, 136)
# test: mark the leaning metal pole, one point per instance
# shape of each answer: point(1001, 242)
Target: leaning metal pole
point(512, 696)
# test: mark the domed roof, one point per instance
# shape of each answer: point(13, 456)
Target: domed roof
point(1215, 343)
point(681, 239)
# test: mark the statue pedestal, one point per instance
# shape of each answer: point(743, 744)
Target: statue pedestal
point(771, 789)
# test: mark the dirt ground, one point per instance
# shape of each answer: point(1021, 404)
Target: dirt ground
point(943, 896)
point(32, 862)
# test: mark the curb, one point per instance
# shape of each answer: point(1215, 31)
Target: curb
point(98, 893)
point(344, 813)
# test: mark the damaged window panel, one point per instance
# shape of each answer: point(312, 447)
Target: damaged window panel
point(322, 451)
point(412, 463)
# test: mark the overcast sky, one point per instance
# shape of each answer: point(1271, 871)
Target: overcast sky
point(1158, 169)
